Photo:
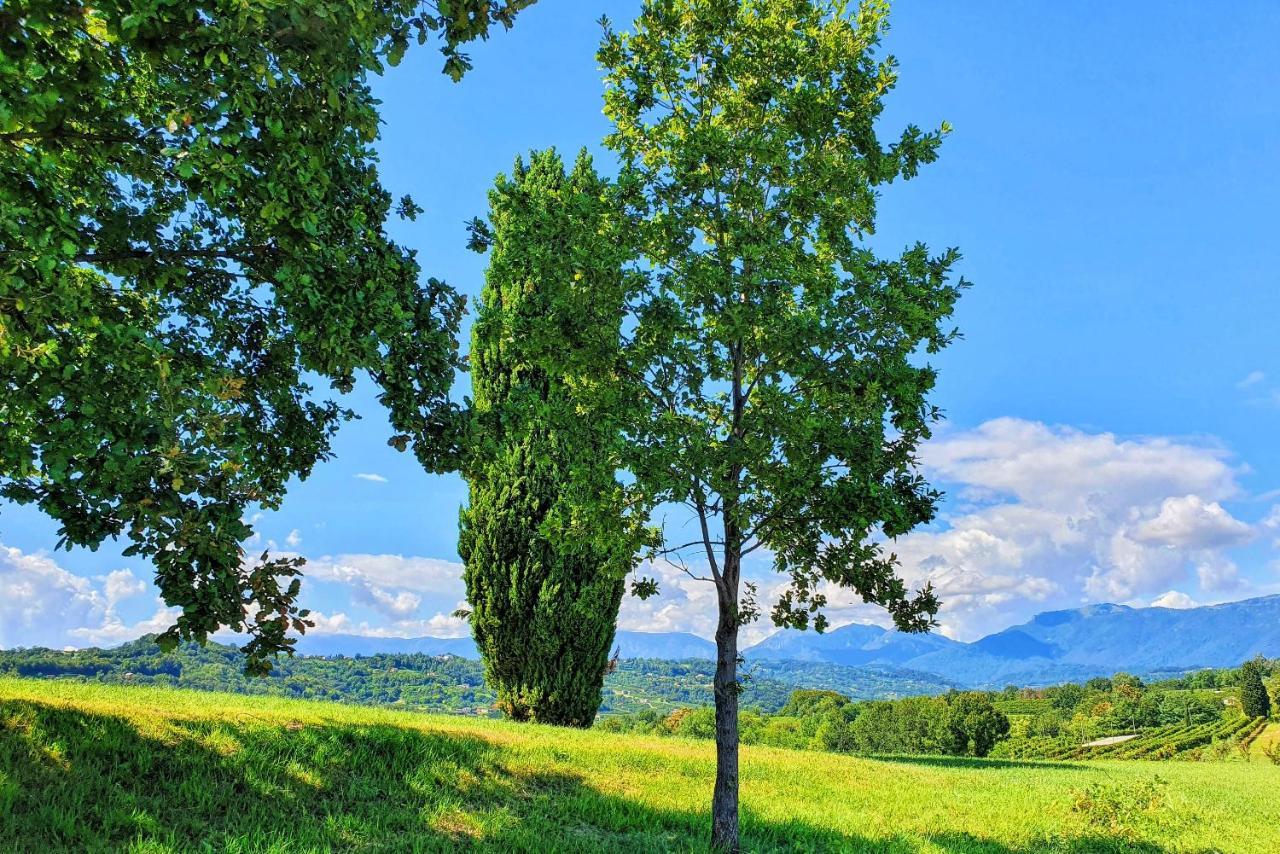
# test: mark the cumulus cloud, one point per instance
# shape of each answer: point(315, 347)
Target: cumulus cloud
point(1038, 517)
point(1190, 522)
point(440, 625)
point(43, 604)
point(294, 539)
point(120, 585)
point(371, 477)
point(394, 585)
point(1271, 524)
point(115, 631)
point(1218, 574)
point(1046, 517)
point(1173, 599)
point(684, 604)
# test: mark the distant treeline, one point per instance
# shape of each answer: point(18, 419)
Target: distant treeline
point(957, 723)
point(977, 723)
point(445, 683)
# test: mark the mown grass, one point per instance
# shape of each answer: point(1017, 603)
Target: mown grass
point(86, 767)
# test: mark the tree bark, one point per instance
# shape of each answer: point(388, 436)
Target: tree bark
point(724, 799)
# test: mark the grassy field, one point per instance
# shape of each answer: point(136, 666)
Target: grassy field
point(85, 767)
point(1269, 736)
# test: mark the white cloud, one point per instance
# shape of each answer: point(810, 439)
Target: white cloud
point(1252, 379)
point(1173, 599)
point(441, 625)
point(684, 604)
point(400, 604)
point(329, 624)
point(1271, 524)
point(1190, 522)
point(1046, 517)
point(1218, 573)
point(42, 604)
point(114, 631)
point(394, 585)
point(120, 585)
point(1038, 518)
point(371, 477)
point(294, 539)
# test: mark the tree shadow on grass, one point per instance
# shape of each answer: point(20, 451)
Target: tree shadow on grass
point(72, 780)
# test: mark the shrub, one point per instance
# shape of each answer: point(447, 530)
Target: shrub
point(1120, 809)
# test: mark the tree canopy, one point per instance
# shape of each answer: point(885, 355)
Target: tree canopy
point(191, 233)
point(1254, 700)
point(777, 363)
point(547, 539)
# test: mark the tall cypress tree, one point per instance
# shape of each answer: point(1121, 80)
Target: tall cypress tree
point(1254, 701)
point(545, 539)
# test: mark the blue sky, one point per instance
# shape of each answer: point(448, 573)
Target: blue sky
point(1112, 411)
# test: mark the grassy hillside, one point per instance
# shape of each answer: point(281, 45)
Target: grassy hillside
point(149, 769)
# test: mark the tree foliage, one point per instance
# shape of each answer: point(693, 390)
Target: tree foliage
point(192, 226)
point(1254, 701)
point(974, 724)
point(546, 539)
point(773, 355)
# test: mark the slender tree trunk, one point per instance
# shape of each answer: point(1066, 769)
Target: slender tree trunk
point(724, 800)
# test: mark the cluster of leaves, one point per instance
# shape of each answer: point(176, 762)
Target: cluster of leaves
point(191, 225)
point(1123, 810)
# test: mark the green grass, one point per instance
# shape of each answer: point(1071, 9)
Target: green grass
point(85, 767)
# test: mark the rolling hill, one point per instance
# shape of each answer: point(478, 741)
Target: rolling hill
point(87, 767)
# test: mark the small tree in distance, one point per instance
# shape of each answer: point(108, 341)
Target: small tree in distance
point(772, 360)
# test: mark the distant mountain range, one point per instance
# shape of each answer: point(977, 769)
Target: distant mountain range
point(1056, 646)
point(672, 646)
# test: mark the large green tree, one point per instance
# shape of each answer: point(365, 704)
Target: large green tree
point(1254, 701)
point(546, 538)
point(974, 724)
point(777, 363)
point(192, 228)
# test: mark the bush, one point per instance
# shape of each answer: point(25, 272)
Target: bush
point(1121, 809)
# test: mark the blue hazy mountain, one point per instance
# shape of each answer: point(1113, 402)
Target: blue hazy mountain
point(854, 645)
point(1057, 646)
point(353, 645)
point(667, 645)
